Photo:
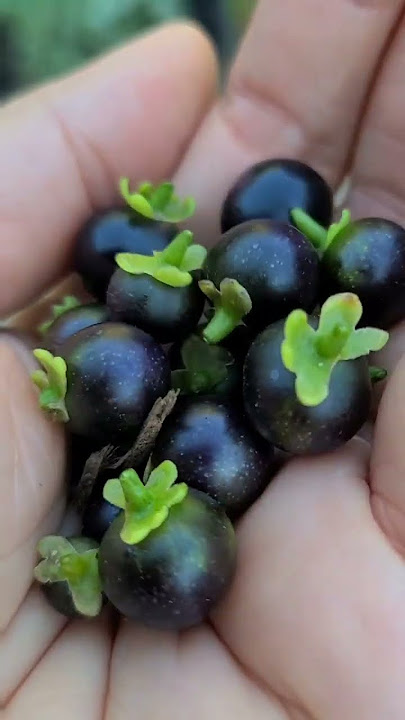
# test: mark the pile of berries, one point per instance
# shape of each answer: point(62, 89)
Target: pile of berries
point(192, 369)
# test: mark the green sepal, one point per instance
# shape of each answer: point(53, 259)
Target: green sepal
point(205, 366)
point(158, 202)
point(311, 354)
point(172, 266)
point(364, 341)
point(194, 258)
point(68, 303)
point(62, 562)
point(318, 236)
point(146, 507)
point(52, 383)
point(231, 303)
point(377, 374)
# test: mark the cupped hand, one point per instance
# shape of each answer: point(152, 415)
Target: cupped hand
point(314, 625)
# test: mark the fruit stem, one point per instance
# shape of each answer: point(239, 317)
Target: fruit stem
point(231, 303)
point(317, 235)
point(312, 230)
point(221, 325)
point(74, 566)
point(330, 345)
point(174, 253)
point(137, 498)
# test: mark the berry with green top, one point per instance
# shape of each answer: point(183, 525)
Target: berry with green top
point(170, 556)
point(215, 450)
point(272, 188)
point(307, 385)
point(366, 257)
point(147, 223)
point(69, 576)
point(159, 293)
point(106, 381)
point(275, 264)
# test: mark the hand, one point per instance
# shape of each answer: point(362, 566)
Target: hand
point(314, 627)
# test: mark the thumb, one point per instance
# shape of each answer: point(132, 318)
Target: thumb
point(64, 147)
point(32, 468)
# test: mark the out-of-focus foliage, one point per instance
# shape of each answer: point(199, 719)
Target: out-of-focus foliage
point(43, 38)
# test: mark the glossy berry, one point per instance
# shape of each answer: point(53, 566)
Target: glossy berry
point(274, 262)
point(215, 451)
point(112, 232)
point(115, 373)
point(272, 188)
point(276, 413)
point(165, 312)
point(367, 258)
point(71, 322)
point(239, 342)
point(173, 578)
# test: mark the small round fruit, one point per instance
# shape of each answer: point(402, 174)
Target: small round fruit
point(277, 414)
point(112, 232)
point(71, 322)
point(274, 262)
point(367, 258)
point(173, 578)
point(215, 451)
point(238, 342)
point(165, 312)
point(97, 518)
point(272, 188)
point(115, 373)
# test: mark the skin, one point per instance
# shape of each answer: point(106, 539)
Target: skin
point(314, 627)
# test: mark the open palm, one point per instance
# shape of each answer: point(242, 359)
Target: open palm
point(314, 626)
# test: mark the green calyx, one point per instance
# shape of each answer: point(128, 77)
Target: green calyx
point(318, 236)
point(146, 507)
point(172, 266)
point(205, 366)
point(231, 303)
point(311, 354)
point(77, 565)
point(377, 374)
point(157, 202)
point(52, 383)
point(68, 303)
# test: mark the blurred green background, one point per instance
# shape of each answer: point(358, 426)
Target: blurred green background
point(43, 38)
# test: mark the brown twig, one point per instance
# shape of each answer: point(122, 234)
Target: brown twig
point(108, 459)
point(146, 439)
point(95, 463)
